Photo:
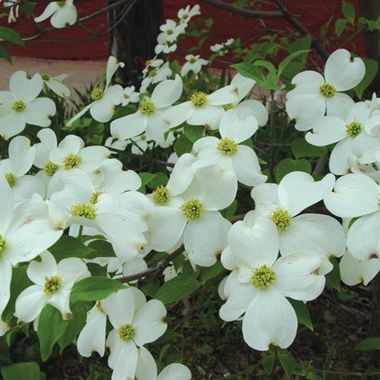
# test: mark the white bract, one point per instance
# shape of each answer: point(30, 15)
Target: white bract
point(259, 285)
point(314, 94)
point(104, 99)
point(21, 105)
point(53, 284)
point(63, 13)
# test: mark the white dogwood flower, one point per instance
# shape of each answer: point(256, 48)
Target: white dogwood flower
point(135, 322)
point(53, 284)
point(63, 13)
point(20, 105)
point(193, 63)
point(314, 94)
point(148, 117)
point(104, 99)
point(56, 84)
point(260, 286)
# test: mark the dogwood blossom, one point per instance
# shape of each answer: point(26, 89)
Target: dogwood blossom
point(53, 284)
point(21, 105)
point(62, 13)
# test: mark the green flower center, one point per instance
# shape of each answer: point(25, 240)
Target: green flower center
point(3, 244)
point(281, 218)
point(50, 168)
point(198, 99)
point(152, 73)
point(71, 161)
point(169, 32)
point(95, 196)
point(52, 285)
point(353, 129)
point(192, 60)
point(227, 146)
point(61, 3)
point(45, 76)
point(19, 106)
point(192, 209)
point(84, 210)
point(147, 107)
point(228, 106)
point(263, 277)
point(126, 332)
point(327, 90)
point(11, 179)
point(99, 306)
point(97, 93)
point(160, 195)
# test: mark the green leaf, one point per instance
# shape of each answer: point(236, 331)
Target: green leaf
point(94, 289)
point(368, 344)
point(371, 69)
point(9, 35)
point(303, 314)
point(177, 289)
point(302, 149)
point(160, 179)
point(183, 145)
point(75, 325)
point(348, 11)
point(297, 54)
point(268, 362)
point(4, 54)
point(194, 132)
point(249, 70)
point(21, 371)
point(229, 212)
point(50, 328)
point(288, 363)
point(68, 246)
point(303, 43)
point(146, 178)
point(340, 25)
point(101, 248)
point(333, 277)
point(288, 165)
point(211, 272)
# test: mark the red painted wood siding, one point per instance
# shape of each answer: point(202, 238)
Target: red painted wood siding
point(91, 43)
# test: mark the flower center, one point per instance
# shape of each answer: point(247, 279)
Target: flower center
point(19, 106)
point(50, 168)
point(281, 218)
point(198, 99)
point(84, 210)
point(126, 332)
point(61, 3)
point(11, 179)
point(327, 90)
point(147, 107)
point(353, 129)
point(52, 285)
point(227, 146)
point(228, 106)
point(263, 277)
point(99, 306)
point(169, 32)
point(3, 244)
point(192, 60)
point(192, 209)
point(71, 161)
point(97, 93)
point(152, 73)
point(160, 195)
point(45, 76)
point(95, 196)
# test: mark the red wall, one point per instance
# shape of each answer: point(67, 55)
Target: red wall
point(91, 43)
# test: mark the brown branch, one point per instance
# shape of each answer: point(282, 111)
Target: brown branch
point(161, 265)
point(292, 20)
point(319, 167)
point(243, 11)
